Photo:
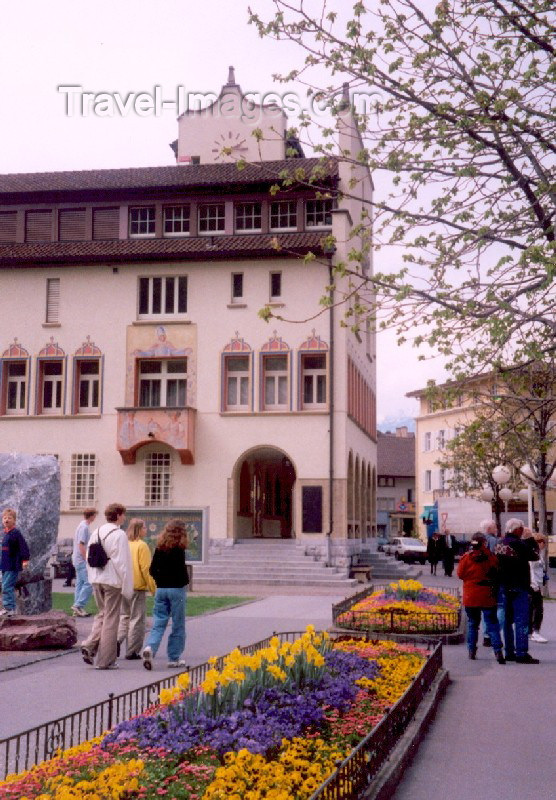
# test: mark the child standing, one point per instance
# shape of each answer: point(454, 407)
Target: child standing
point(169, 570)
point(537, 583)
point(14, 557)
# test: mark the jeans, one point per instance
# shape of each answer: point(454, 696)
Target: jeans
point(83, 589)
point(169, 604)
point(9, 579)
point(513, 614)
point(491, 624)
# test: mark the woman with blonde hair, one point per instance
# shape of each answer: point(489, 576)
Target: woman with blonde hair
point(133, 612)
point(169, 570)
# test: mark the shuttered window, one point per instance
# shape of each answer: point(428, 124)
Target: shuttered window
point(106, 223)
point(52, 299)
point(8, 226)
point(71, 224)
point(38, 226)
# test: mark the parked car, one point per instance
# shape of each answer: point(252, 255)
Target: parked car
point(62, 558)
point(406, 548)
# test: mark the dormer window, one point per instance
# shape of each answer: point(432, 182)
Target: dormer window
point(248, 217)
point(141, 221)
point(212, 218)
point(318, 214)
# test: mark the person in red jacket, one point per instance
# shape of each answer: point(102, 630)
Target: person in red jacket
point(478, 570)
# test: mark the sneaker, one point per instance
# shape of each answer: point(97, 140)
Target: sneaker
point(487, 642)
point(87, 656)
point(527, 659)
point(133, 657)
point(536, 637)
point(147, 657)
point(510, 656)
point(500, 657)
point(175, 664)
point(7, 612)
point(80, 612)
point(113, 665)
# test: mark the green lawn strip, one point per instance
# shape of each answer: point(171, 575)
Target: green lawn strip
point(196, 604)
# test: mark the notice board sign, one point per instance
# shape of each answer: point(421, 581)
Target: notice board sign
point(196, 523)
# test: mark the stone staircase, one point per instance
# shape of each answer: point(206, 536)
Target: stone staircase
point(268, 562)
point(385, 568)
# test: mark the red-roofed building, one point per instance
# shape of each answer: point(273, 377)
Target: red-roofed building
point(133, 349)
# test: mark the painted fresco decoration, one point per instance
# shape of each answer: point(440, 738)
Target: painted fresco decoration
point(88, 348)
point(314, 342)
point(52, 348)
point(275, 344)
point(15, 350)
point(161, 341)
point(237, 345)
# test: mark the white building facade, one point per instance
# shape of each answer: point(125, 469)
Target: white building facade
point(133, 351)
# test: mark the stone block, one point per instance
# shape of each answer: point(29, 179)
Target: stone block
point(31, 485)
point(49, 631)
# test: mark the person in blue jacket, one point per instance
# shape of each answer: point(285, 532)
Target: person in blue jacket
point(14, 556)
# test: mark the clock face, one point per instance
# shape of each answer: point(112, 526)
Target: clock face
point(234, 142)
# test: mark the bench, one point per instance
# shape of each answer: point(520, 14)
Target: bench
point(360, 570)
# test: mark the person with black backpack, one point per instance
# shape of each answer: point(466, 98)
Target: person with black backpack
point(110, 573)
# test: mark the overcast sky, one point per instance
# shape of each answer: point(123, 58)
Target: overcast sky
point(128, 47)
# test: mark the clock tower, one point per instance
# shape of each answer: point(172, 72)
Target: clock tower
point(223, 131)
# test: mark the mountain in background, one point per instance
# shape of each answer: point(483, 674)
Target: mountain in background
point(392, 422)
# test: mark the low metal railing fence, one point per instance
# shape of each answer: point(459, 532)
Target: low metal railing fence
point(355, 774)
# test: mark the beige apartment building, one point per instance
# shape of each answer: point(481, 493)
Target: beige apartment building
point(440, 416)
point(132, 348)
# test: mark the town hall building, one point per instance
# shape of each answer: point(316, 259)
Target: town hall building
point(132, 348)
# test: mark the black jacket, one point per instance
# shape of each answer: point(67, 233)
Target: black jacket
point(514, 555)
point(168, 568)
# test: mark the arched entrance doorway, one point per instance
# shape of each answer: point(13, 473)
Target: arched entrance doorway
point(263, 493)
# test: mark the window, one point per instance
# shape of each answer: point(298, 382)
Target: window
point(441, 439)
point(83, 482)
point(237, 383)
point(106, 223)
point(176, 221)
point(51, 385)
point(38, 226)
point(313, 379)
point(275, 382)
point(71, 224)
point(158, 473)
point(248, 217)
point(386, 504)
point(283, 215)
point(87, 386)
point(237, 286)
point(52, 300)
point(384, 481)
point(427, 442)
point(410, 495)
point(142, 221)
point(318, 213)
point(162, 296)
point(442, 479)
point(212, 218)
point(15, 377)
point(428, 480)
point(275, 285)
point(163, 383)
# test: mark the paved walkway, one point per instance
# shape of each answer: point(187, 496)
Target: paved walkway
point(492, 737)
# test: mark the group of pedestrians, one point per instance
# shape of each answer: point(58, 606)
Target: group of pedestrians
point(120, 580)
point(442, 547)
point(502, 582)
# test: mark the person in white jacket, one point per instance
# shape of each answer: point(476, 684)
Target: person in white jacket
point(537, 583)
point(109, 583)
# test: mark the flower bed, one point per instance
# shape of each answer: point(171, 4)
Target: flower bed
point(403, 607)
point(271, 725)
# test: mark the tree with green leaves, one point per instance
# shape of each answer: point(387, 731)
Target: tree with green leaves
point(459, 131)
point(471, 456)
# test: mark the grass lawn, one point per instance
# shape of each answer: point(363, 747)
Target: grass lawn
point(196, 604)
